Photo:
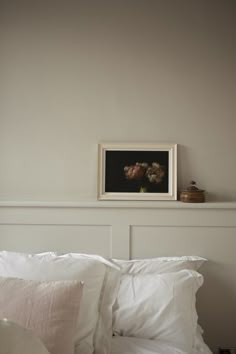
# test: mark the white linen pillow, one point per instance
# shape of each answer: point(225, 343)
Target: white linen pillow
point(50, 309)
point(51, 267)
point(158, 306)
point(16, 339)
point(159, 264)
point(103, 332)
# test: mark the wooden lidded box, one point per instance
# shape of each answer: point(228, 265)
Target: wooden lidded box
point(192, 194)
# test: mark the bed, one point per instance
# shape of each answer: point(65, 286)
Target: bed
point(83, 304)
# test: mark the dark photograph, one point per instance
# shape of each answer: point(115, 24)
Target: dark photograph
point(136, 171)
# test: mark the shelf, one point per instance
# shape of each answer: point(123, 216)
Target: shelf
point(118, 204)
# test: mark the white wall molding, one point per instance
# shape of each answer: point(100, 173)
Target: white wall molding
point(118, 204)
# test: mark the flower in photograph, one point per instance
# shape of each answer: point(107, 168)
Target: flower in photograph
point(145, 173)
point(155, 173)
point(136, 171)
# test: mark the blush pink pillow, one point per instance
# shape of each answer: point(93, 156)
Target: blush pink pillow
point(49, 309)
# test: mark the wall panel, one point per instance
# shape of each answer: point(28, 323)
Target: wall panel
point(95, 239)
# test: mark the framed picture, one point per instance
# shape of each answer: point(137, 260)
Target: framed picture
point(137, 172)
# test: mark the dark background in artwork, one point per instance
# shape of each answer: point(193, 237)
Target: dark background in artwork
point(115, 180)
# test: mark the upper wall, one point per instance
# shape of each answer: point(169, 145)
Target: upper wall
point(76, 73)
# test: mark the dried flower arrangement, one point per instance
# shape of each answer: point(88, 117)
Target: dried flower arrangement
point(145, 173)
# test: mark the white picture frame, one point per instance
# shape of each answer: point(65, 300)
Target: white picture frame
point(137, 171)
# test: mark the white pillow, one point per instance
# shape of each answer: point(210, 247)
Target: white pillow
point(15, 339)
point(101, 279)
point(49, 308)
point(158, 306)
point(103, 333)
point(49, 266)
point(160, 264)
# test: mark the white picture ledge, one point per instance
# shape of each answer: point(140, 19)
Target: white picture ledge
point(118, 204)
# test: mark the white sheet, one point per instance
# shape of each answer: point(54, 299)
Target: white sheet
point(128, 345)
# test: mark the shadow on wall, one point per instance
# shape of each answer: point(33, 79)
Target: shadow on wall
point(219, 293)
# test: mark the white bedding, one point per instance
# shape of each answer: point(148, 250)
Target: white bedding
point(128, 345)
point(153, 313)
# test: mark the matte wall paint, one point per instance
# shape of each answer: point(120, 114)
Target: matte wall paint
point(76, 73)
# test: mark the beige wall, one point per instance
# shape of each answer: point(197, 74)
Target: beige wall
point(75, 74)
point(78, 73)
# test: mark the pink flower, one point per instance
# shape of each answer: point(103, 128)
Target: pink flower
point(136, 171)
